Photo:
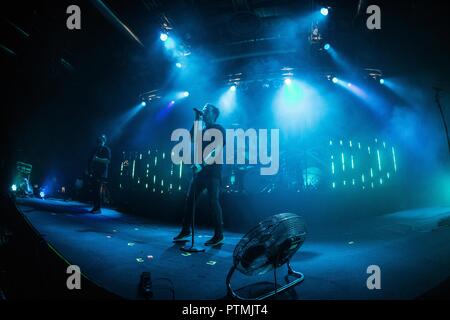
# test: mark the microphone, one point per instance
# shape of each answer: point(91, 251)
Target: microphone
point(198, 112)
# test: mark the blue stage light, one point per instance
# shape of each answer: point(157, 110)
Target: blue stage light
point(227, 100)
point(326, 46)
point(335, 80)
point(324, 11)
point(143, 103)
point(381, 81)
point(163, 36)
point(14, 188)
point(292, 104)
point(287, 81)
point(42, 194)
point(170, 44)
point(179, 65)
point(186, 93)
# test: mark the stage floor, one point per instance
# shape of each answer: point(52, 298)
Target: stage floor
point(113, 249)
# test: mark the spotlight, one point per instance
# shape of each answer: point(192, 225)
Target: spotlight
point(179, 65)
point(381, 81)
point(42, 194)
point(14, 188)
point(233, 88)
point(172, 102)
point(324, 11)
point(143, 103)
point(287, 81)
point(335, 80)
point(170, 44)
point(326, 46)
point(186, 94)
point(349, 84)
point(163, 36)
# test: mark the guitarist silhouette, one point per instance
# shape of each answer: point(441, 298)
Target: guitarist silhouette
point(98, 171)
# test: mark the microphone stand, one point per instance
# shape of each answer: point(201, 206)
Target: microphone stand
point(192, 247)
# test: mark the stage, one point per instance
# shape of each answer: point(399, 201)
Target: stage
point(113, 249)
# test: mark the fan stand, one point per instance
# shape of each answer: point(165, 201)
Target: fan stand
point(291, 272)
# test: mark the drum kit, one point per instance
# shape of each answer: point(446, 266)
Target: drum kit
point(299, 170)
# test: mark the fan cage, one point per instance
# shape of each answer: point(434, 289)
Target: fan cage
point(270, 244)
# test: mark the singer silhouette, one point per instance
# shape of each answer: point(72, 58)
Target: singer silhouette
point(209, 178)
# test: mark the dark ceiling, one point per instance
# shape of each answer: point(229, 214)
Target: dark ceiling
point(58, 80)
point(225, 28)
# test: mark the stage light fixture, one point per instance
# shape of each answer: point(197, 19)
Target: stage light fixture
point(287, 81)
point(14, 188)
point(349, 84)
point(335, 80)
point(163, 36)
point(186, 94)
point(42, 194)
point(326, 46)
point(178, 65)
point(233, 88)
point(324, 11)
point(315, 35)
point(143, 103)
point(381, 81)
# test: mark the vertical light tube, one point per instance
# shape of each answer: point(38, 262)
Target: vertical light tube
point(332, 165)
point(379, 160)
point(393, 157)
